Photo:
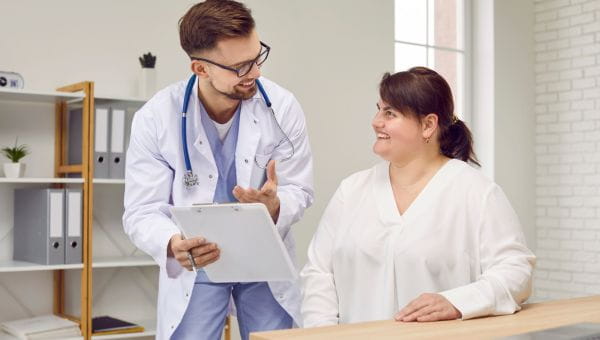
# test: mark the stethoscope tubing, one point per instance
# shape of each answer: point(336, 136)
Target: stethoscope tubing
point(186, 102)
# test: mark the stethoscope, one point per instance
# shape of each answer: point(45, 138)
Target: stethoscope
point(189, 178)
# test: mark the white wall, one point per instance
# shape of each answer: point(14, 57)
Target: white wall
point(567, 44)
point(514, 156)
point(503, 101)
point(331, 54)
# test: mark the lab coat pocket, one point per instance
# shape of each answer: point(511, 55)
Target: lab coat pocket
point(261, 160)
point(259, 172)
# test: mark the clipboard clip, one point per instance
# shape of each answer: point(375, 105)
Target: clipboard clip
point(199, 210)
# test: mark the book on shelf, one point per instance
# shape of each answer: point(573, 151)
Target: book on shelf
point(110, 325)
point(42, 327)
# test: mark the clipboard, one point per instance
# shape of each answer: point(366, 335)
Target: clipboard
point(251, 248)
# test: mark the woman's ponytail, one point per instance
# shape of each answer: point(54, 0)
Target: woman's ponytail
point(456, 141)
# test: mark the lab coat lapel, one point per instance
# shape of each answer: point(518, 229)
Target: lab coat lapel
point(201, 142)
point(248, 138)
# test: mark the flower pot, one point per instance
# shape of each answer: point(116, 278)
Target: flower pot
point(147, 82)
point(14, 170)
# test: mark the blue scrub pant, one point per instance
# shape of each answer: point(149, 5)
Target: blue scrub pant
point(257, 310)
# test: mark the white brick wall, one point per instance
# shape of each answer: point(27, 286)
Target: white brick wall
point(567, 68)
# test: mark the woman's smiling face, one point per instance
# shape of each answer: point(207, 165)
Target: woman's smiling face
point(399, 135)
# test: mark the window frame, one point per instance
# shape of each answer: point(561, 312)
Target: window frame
point(466, 52)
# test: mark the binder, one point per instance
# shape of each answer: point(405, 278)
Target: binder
point(38, 226)
point(117, 144)
point(101, 135)
point(73, 226)
point(128, 121)
point(74, 138)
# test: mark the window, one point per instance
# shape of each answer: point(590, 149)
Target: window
point(432, 33)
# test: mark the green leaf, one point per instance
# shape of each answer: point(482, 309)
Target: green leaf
point(15, 153)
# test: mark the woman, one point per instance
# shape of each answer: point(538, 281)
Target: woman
point(422, 236)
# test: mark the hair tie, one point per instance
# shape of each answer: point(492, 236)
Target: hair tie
point(454, 119)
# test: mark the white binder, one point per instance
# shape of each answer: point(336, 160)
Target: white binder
point(101, 160)
point(251, 248)
point(73, 226)
point(117, 144)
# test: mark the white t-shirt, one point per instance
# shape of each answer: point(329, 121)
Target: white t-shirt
point(223, 129)
point(460, 237)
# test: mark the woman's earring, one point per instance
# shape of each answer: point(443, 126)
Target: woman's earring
point(427, 140)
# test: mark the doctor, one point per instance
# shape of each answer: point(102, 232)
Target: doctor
point(214, 138)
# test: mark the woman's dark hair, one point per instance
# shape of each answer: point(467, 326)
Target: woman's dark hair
point(421, 91)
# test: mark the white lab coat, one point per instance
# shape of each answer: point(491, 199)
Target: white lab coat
point(154, 181)
point(460, 237)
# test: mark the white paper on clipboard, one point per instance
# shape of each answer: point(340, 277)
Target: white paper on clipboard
point(251, 248)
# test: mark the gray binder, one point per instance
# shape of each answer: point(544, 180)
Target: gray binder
point(74, 138)
point(73, 226)
point(117, 143)
point(38, 226)
point(101, 135)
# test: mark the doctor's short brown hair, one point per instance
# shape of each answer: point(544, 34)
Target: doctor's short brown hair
point(205, 23)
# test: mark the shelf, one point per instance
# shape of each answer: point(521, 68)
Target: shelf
point(21, 266)
point(127, 101)
point(40, 180)
point(48, 97)
point(6, 336)
point(108, 181)
point(120, 261)
point(149, 326)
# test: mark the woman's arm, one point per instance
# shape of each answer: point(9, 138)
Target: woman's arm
point(320, 301)
point(506, 263)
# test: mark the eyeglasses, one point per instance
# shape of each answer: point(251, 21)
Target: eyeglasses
point(245, 68)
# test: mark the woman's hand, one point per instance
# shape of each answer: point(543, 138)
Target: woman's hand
point(428, 307)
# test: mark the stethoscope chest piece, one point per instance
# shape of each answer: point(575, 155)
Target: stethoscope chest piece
point(190, 179)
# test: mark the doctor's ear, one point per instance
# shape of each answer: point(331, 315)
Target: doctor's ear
point(199, 68)
point(429, 124)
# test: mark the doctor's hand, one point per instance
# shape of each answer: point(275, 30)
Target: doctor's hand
point(204, 253)
point(428, 307)
point(267, 194)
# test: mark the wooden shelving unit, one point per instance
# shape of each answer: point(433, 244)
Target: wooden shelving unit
point(80, 95)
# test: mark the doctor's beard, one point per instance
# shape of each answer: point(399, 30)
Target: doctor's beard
point(236, 93)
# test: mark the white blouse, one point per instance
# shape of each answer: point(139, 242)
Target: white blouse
point(460, 237)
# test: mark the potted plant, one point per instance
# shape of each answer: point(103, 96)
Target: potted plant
point(15, 169)
point(147, 85)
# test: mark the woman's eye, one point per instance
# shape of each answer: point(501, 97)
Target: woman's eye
point(389, 113)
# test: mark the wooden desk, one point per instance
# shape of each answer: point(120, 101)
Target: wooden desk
point(532, 317)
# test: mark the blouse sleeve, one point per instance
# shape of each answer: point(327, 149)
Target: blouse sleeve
point(320, 301)
point(506, 263)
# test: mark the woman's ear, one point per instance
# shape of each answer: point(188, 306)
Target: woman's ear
point(429, 124)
